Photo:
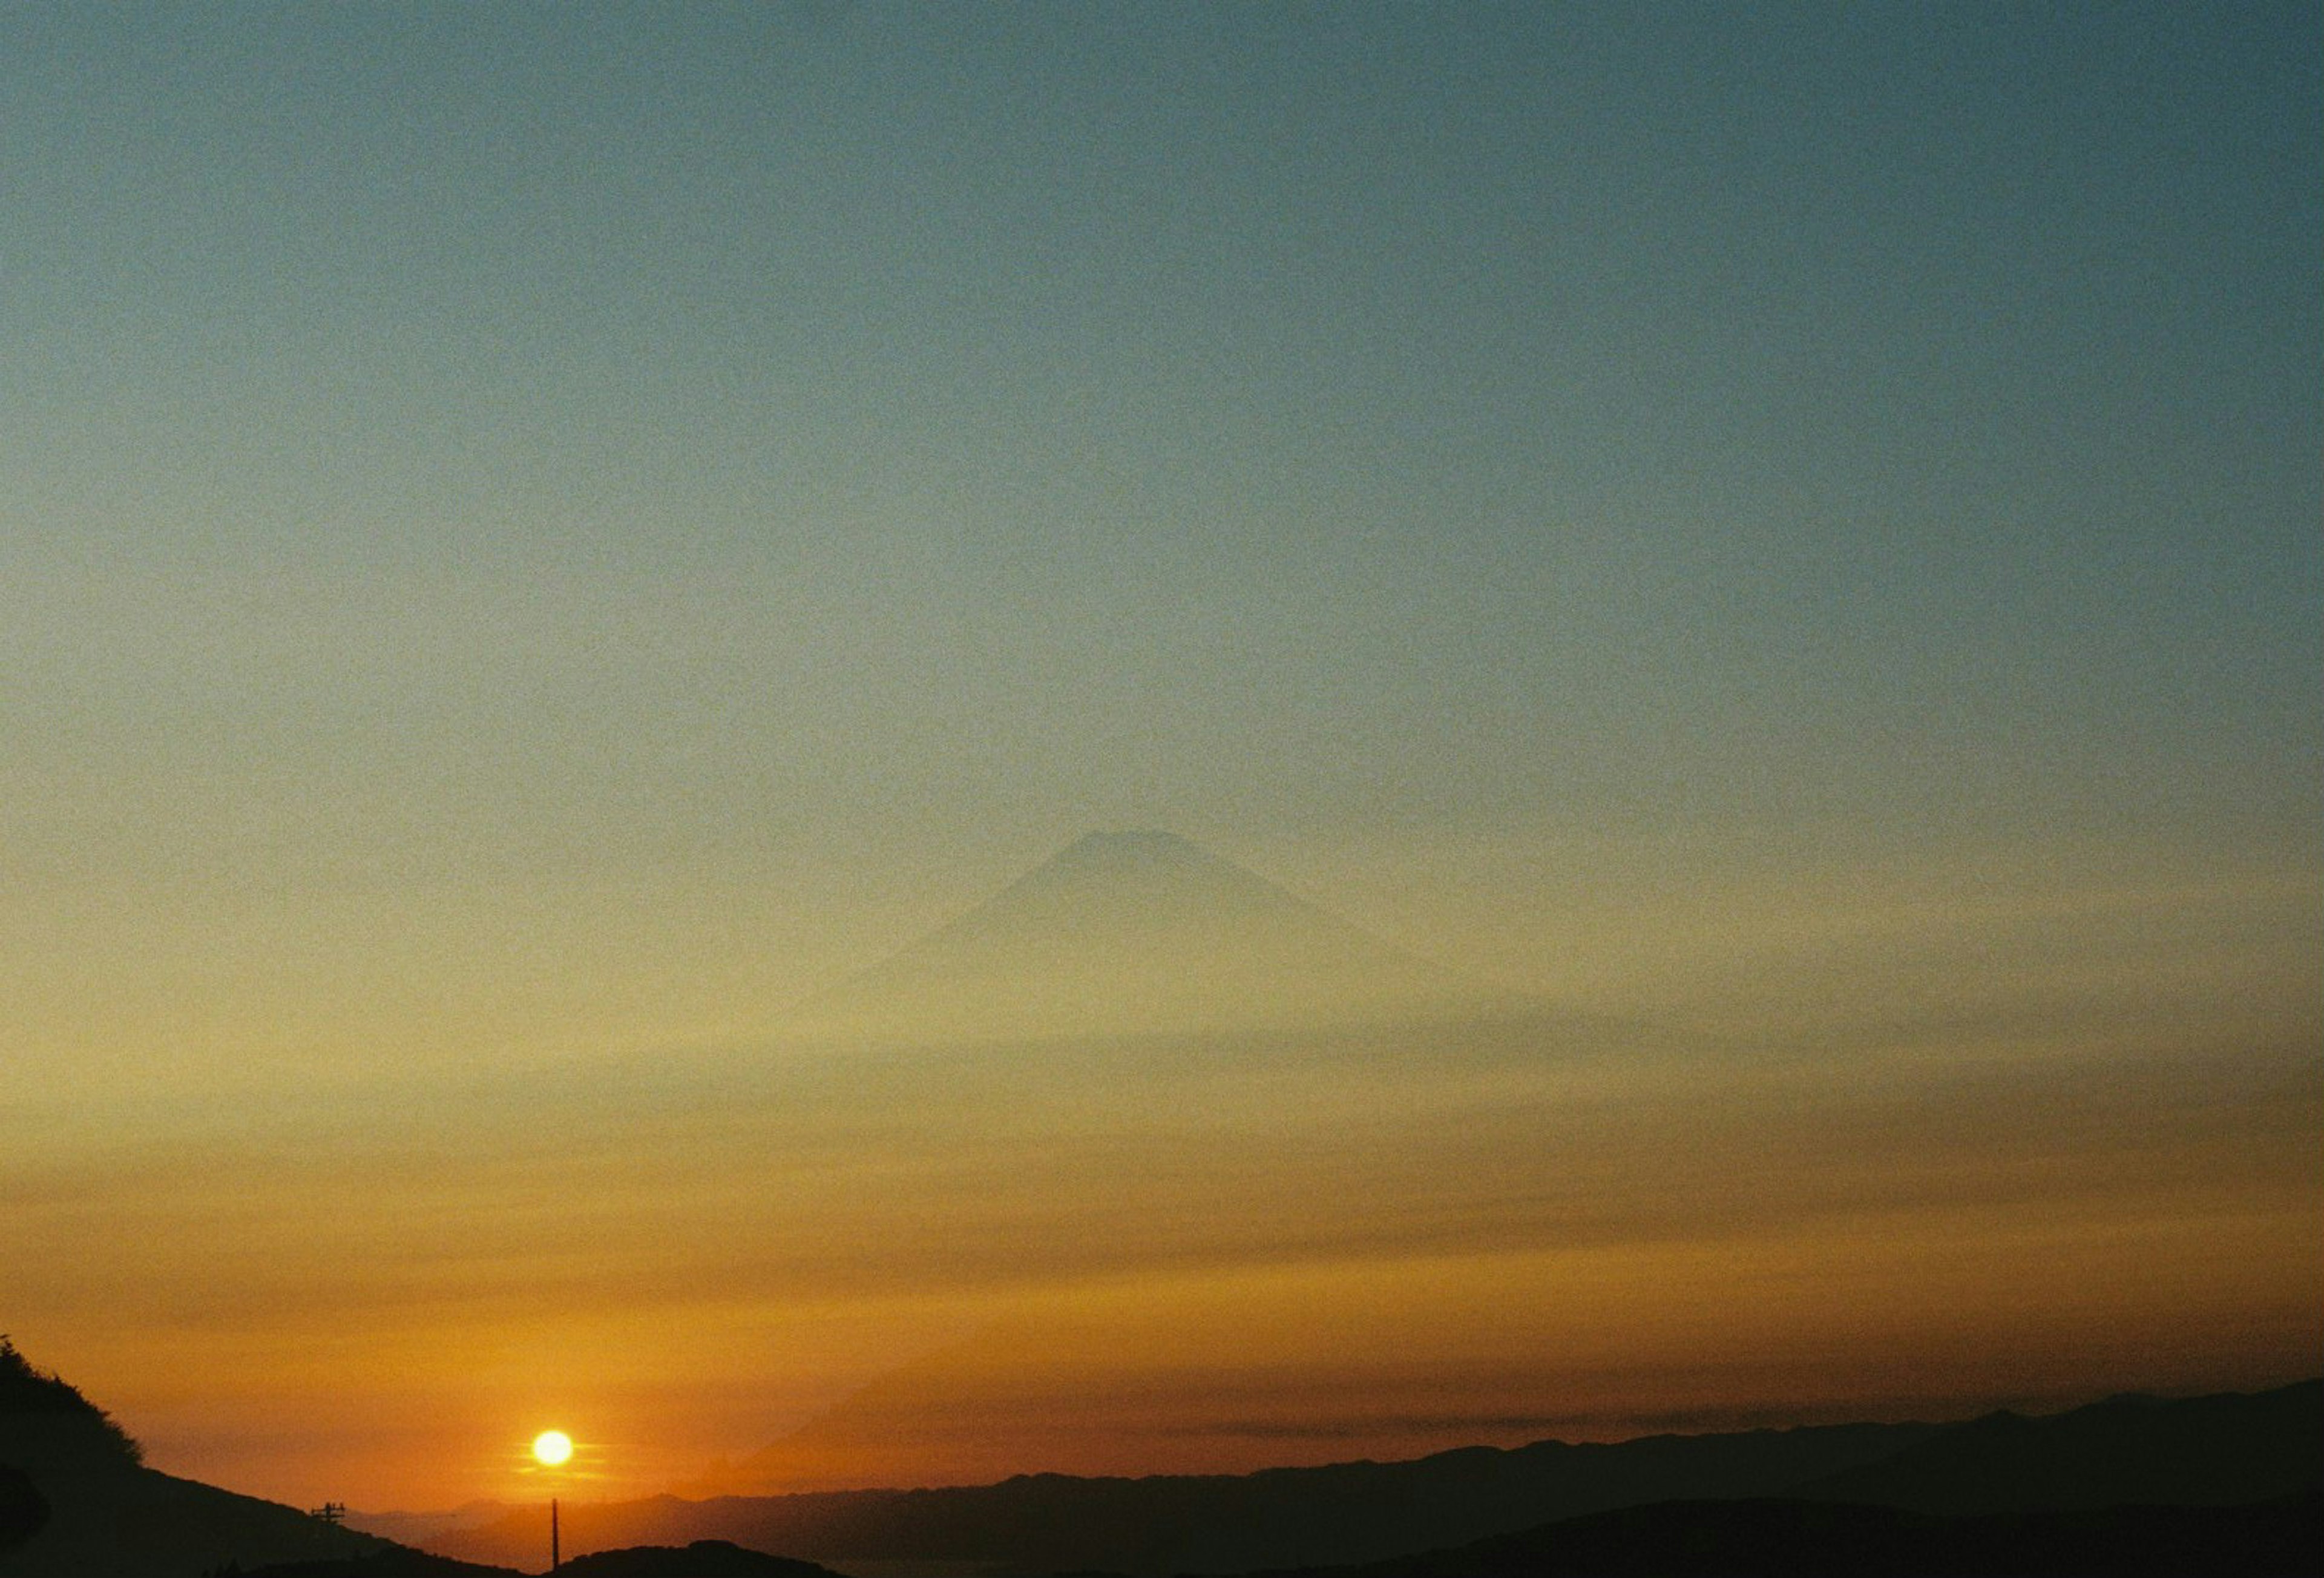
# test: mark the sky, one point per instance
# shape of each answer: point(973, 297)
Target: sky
point(534, 538)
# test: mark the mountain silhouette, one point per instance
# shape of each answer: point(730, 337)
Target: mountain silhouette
point(83, 1505)
point(2248, 1450)
point(1782, 1538)
point(1208, 1035)
point(1224, 1523)
point(1132, 933)
point(2208, 1451)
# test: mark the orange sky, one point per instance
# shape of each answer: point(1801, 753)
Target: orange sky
point(832, 1267)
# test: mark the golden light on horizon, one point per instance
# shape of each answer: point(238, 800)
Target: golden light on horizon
point(552, 1448)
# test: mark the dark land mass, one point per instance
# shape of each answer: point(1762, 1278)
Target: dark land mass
point(2208, 1452)
point(394, 1562)
point(23, 1508)
point(1821, 1539)
point(708, 1558)
point(77, 1502)
point(2125, 1452)
point(701, 1559)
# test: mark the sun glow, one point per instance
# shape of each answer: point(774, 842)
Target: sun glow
point(552, 1448)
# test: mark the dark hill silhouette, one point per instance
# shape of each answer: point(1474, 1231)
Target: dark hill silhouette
point(48, 1416)
point(1135, 932)
point(2193, 1451)
point(708, 1558)
point(109, 1517)
point(2245, 1449)
point(1808, 1539)
point(23, 1508)
point(395, 1562)
point(701, 1559)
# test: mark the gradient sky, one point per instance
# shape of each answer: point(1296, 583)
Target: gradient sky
point(532, 538)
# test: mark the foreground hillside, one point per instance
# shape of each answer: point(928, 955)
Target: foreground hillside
point(2224, 1450)
point(76, 1502)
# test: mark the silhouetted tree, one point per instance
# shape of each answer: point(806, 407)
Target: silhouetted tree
point(25, 1390)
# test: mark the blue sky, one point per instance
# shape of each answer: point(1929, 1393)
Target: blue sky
point(1449, 412)
point(792, 445)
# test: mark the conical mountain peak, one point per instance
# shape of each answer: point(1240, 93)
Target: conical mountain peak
point(1141, 878)
point(1131, 847)
point(1129, 853)
point(1129, 933)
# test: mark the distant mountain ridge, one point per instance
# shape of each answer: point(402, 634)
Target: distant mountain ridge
point(1133, 932)
point(1796, 1539)
point(2245, 1449)
point(2206, 1452)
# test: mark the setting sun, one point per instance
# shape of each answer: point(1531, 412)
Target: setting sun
point(552, 1447)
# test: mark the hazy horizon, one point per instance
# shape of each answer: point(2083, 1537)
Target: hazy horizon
point(946, 1251)
point(1726, 607)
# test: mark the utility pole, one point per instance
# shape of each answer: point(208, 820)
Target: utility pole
point(552, 1450)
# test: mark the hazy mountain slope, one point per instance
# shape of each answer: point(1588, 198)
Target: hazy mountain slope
point(1130, 933)
point(418, 1528)
point(2194, 1451)
point(111, 1517)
